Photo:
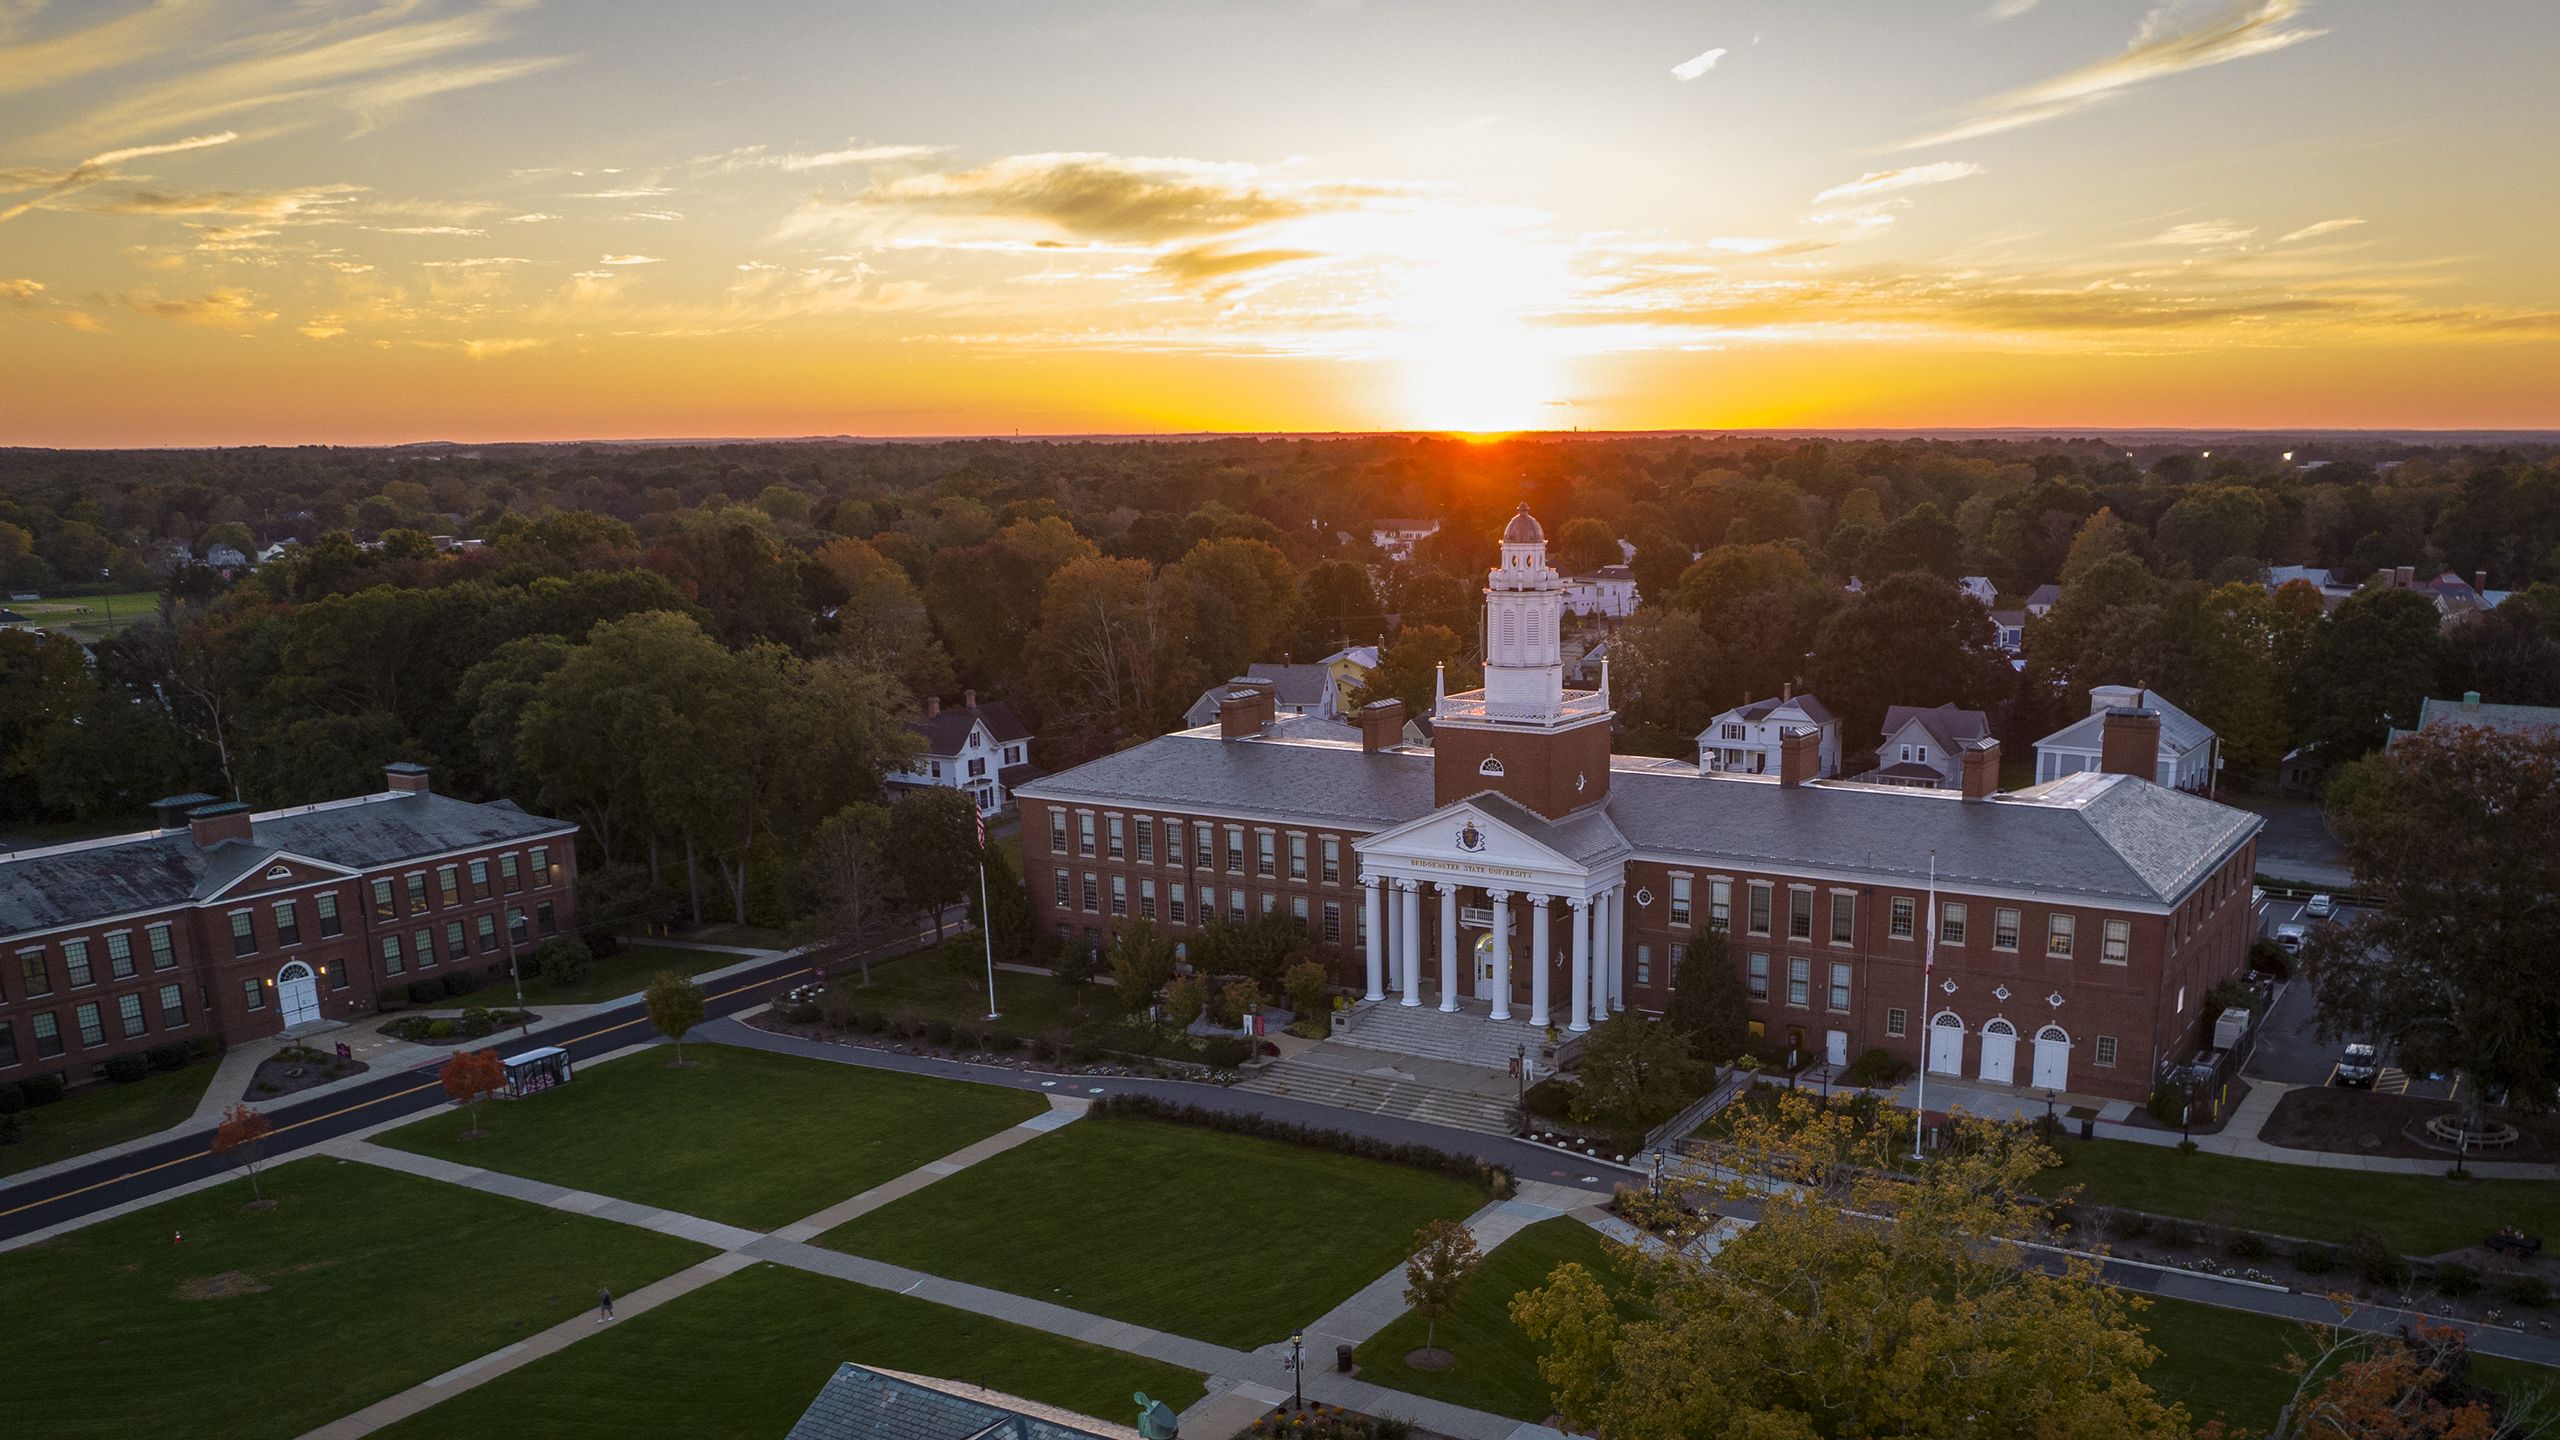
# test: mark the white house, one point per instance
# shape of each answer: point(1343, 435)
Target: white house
point(1925, 748)
point(2189, 750)
point(983, 749)
point(2011, 626)
point(1609, 591)
point(1398, 537)
point(1744, 739)
point(1980, 588)
point(1296, 690)
point(2042, 599)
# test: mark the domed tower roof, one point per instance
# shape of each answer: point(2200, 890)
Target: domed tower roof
point(1524, 529)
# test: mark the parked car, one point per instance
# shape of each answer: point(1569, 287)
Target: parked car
point(2320, 908)
point(2359, 1066)
point(2290, 936)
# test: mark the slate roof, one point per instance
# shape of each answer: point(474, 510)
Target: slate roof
point(862, 1403)
point(1301, 686)
point(947, 734)
point(68, 884)
point(2044, 595)
point(1756, 711)
point(1949, 724)
point(2180, 732)
point(2513, 719)
point(2103, 838)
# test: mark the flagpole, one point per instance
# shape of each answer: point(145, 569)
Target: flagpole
point(986, 917)
point(1928, 962)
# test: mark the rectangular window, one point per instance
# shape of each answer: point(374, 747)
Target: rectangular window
point(507, 874)
point(120, 955)
point(75, 962)
point(1332, 921)
point(1297, 857)
point(449, 884)
point(1799, 913)
point(93, 1024)
point(1270, 902)
point(288, 924)
point(8, 1045)
point(1844, 917)
point(1799, 981)
point(541, 864)
point(456, 944)
point(1175, 908)
point(417, 884)
point(383, 906)
point(1644, 965)
point(173, 1006)
point(480, 879)
point(1061, 887)
point(423, 940)
point(545, 919)
point(1266, 854)
point(1084, 832)
point(49, 1034)
point(1204, 852)
point(1147, 899)
point(1235, 906)
point(1117, 828)
point(1119, 894)
point(1057, 832)
point(1146, 840)
point(488, 933)
point(2058, 933)
point(1235, 849)
point(244, 933)
point(253, 996)
point(1679, 956)
point(1839, 999)
point(1297, 906)
point(32, 972)
point(1758, 920)
point(1092, 893)
point(1759, 972)
point(2106, 1050)
point(129, 1014)
point(1903, 911)
point(1173, 843)
point(1897, 1022)
point(516, 936)
point(164, 954)
point(2118, 947)
point(392, 964)
point(1720, 902)
point(1332, 859)
point(1951, 924)
point(1679, 900)
point(2004, 929)
point(326, 903)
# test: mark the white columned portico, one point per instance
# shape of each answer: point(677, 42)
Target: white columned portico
point(1617, 949)
point(1501, 902)
point(1448, 947)
point(1377, 937)
point(1600, 978)
point(1409, 898)
point(1541, 962)
point(1581, 993)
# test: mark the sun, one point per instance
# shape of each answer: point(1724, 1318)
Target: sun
point(1463, 334)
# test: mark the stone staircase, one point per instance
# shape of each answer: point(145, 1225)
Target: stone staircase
point(1468, 1036)
point(1328, 1077)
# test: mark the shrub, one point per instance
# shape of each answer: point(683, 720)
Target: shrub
point(1873, 1068)
point(938, 1030)
point(2455, 1279)
point(1225, 1052)
point(2529, 1291)
point(176, 1055)
point(440, 1029)
point(2266, 957)
point(2230, 995)
point(804, 1013)
point(1184, 999)
point(1006, 1042)
point(13, 1127)
point(1496, 1180)
point(2313, 1258)
point(604, 944)
point(127, 1068)
point(2245, 1245)
point(2373, 1259)
point(1549, 1099)
point(460, 982)
point(2128, 1224)
point(2177, 1234)
point(41, 1089)
point(563, 960)
point(1306, 986)
point(2167, 1103)
point(425, 992)
point(871, 1022)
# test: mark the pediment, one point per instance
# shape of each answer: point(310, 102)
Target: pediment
point(1486, 836)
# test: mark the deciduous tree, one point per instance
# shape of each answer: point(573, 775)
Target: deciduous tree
point(471, 1076)
point(243, 1134)
point(854, 872)
point(1443, 1259)
point(674, 1003)
point(1141, 963)
point(1709, 1003)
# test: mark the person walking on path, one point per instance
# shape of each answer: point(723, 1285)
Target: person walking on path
point(604, 1303)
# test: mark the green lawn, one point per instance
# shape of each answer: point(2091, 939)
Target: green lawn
point(746, 1354)
point(96, 1116)
point(1219, 1237)
point(628, 973)
point(2417, 1214)
point(1496, 1366)
point(90, 616)
point(950, 981)
point(362, 1283)
point(752, 937)
point(742, 1136)
point(2224, 1362)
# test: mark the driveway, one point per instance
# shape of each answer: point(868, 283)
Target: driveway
point(2289, 1047)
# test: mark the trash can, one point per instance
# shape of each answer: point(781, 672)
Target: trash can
point(1342, 1359)
point(2088, 1128)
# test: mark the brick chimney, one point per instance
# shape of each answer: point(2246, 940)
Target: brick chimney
point(2480, 581)
point(406, 777)
point(2130, 742)
point(1381, 725)
point(2404, 576)
point(969, 698)
point(1799, 754)
point(212, 824)
point(1245, 707)
point(1981, 768)
point(932, 706)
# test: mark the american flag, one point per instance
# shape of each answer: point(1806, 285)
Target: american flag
point(982, 832)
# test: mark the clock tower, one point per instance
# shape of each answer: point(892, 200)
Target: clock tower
point(1523, 734)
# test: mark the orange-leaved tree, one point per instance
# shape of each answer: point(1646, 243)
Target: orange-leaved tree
point(243, 1130)
point(470, 1077)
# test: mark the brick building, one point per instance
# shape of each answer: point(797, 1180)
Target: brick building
point(1514, 866)
point(236, 924)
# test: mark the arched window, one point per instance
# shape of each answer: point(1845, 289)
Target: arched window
point(1490, 766)
point(2053, 1035)
point(2000, 1027)
point(1510, 626)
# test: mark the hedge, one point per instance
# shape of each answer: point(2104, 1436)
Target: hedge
point(1493, 1179)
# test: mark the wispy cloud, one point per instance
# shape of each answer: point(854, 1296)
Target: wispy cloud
point(628, 260)
point(93, 49)
point(2319, 228)
point(2007, 9)
point(1697, 65)
point(2204, 232)
point(1202, 264)
point(266, 205)
point(626, 192)
point(461, 230)
point(760, 157)
point(225, 308)
point(1114, 197)
point(1878, 182)
point(2173, 40)
point(96, 170)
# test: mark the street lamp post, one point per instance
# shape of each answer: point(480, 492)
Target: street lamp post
point(515, 972)
point(1297, 1370)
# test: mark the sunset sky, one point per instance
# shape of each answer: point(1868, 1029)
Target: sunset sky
point(253, 221)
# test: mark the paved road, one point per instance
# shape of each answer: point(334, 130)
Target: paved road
point(2289, 1047)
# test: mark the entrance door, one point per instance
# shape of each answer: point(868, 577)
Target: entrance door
point(297, 994)
point(1835, 1047)
point(1485, 985)
point(2053, 1058)
point(1999, 1052)
point(1946, 1044)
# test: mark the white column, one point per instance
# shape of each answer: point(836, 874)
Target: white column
point(1618, 947)
point(1501, 900)
point(1581, 962)
point(1409, 898)
point(1376, 912)
point(1541, 961)
point(1601, 979)
point(1448, 946)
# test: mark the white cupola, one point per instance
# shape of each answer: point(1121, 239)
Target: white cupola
point(1523, 624)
